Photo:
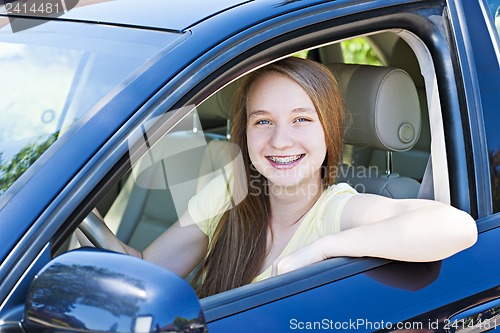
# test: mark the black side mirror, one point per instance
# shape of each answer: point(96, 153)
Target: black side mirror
point(89, 290)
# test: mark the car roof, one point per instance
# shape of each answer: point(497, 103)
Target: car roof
point(151, 14)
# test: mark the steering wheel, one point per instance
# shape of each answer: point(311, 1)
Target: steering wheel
point(98, 233)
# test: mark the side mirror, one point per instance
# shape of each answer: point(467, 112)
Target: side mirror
point(90, 290)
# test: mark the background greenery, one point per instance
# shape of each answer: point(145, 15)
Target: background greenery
point(359, 51)
point(11, 170)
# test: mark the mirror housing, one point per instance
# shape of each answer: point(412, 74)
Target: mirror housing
point(93, 290)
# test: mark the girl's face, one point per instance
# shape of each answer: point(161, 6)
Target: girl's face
point(285, 138)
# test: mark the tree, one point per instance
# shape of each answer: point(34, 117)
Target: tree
point(11, 170)
point(359, 51)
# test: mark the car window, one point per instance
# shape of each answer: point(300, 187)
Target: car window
point(166, 173)
point(50, 83)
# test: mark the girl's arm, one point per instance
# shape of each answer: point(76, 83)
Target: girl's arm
point(179, 249)
point(406, 230)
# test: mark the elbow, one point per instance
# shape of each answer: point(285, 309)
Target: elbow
point(464, 230)
point(457, 231)
point(470, 235)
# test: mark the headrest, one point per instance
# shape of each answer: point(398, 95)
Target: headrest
point(382, 106)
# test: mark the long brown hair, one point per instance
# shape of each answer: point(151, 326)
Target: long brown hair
point(238, 248)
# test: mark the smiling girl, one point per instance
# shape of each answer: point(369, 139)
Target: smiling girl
point(289, 126)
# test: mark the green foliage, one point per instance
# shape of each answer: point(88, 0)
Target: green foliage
point(302, 54)
point(359, 51)
point(11, 170)
point(354, 51)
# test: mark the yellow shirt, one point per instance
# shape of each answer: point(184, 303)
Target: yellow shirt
point(207, 207)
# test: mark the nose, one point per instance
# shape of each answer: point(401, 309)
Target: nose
point(282, 137)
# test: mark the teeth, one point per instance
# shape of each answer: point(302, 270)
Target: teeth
point(285, 160)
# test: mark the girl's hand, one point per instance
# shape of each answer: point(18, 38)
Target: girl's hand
point(307, 255)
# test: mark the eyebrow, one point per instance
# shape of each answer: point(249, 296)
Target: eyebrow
point(257, 113)
point(306, 110)
point(264, 112)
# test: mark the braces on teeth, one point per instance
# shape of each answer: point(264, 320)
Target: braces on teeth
point(284, 160)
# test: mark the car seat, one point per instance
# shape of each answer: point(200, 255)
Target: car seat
point(410, 163)
point(383, 113)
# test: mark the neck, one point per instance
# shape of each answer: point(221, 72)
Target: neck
point(289, 205)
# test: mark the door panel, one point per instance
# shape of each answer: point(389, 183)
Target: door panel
point(384, 298)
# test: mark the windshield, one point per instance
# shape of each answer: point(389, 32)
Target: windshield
point(53, 74)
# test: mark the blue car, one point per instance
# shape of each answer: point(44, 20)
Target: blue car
point(114, 113)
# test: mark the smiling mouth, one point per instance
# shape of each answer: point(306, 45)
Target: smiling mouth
point(285, 160)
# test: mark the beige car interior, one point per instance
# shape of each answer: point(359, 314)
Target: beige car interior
point(385, 117)
point(387, 143)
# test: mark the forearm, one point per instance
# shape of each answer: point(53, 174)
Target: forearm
point(419, 235)
point(84, 241)
point(415, 236)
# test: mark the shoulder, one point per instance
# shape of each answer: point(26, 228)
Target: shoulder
point(337, 192)
point(330, 206)
point(340, 188)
